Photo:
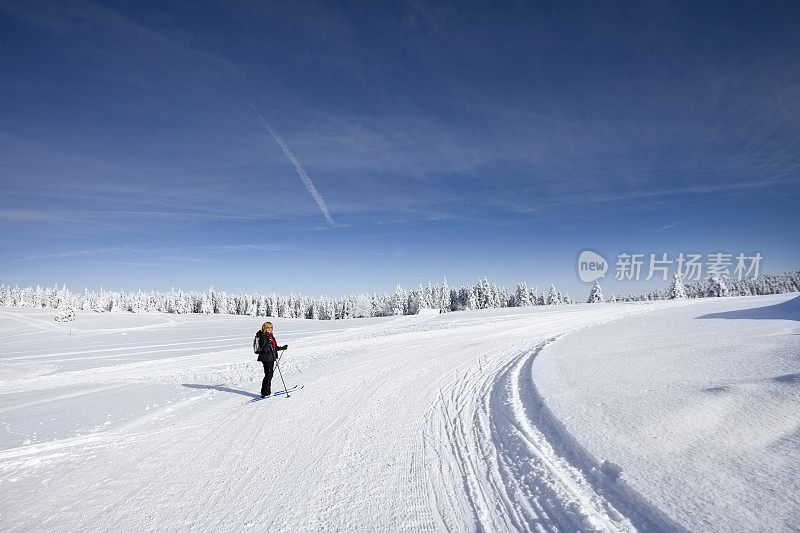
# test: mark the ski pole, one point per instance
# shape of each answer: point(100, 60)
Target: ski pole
point(281, 375)
point(279, 357)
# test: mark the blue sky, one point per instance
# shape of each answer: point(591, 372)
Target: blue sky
point(496, 139)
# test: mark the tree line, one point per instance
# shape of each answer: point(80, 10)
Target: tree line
point(436, 297)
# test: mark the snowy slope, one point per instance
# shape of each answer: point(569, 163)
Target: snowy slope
point(698, 404)
point(413, 423)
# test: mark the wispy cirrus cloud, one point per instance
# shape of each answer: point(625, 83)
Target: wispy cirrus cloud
point(163, 252)
point(73, 253)
point(668, 226)
point(33, 215)
point(698, 190)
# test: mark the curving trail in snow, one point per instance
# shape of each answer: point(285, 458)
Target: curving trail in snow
point(512, 478)
point(421, 423)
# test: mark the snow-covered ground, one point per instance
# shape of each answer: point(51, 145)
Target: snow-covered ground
point(699, 405)
point(420, 423)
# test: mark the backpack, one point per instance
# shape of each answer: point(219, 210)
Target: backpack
point(259, 342)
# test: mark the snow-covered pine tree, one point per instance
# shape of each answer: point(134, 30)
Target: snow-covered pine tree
point(430, 300)
point(676, 290)
point(330, 309)
point(535, 297)
point(522, 298)
point(444, 297)
point(206, 302)
point(375, 305)
point(66, 313)
point(541, 299)
point(472, 298)
point(137, 303)
point(418, 301)
point(399, 301)
point(219, 302)
point(116, 302)
point(553, 297)
point(596, 294)
point(716, 286)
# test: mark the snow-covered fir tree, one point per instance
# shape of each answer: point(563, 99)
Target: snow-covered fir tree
point(522, 298)
point(66, 313)
point(553, 297)
point(676, 289)
point(444, 297)
point(716, 286)
point(399, 301)
point(596, 294)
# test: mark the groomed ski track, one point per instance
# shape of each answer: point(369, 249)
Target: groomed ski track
point(425, 423)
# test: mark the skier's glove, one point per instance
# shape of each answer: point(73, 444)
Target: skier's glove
point(283, 347)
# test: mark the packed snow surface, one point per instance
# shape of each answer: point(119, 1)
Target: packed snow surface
point(412, 423)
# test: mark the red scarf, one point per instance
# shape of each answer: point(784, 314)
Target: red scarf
point(274, 344)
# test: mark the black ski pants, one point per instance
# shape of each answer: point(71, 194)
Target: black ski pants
point(269, 368)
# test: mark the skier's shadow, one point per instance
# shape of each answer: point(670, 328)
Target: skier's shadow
point(221, 388)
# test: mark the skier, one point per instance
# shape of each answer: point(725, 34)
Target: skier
point(267, 354)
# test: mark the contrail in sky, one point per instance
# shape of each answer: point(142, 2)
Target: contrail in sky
point(300, 172)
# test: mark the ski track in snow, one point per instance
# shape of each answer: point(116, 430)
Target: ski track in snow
point(497, 469)
point(407, 423)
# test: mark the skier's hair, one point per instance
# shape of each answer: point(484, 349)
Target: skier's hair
point(264, 327)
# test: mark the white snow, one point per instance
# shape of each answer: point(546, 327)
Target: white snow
point(698, 404)
point(410, 423)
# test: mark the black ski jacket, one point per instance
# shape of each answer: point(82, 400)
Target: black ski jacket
point(270, 352)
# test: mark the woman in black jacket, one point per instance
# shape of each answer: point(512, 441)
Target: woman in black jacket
point(267, 354)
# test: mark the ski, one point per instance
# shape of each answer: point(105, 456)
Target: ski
point(277, 393)
point(290, 389)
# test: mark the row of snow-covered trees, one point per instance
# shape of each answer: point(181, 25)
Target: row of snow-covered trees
point(716, 286)
point(480, 295)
